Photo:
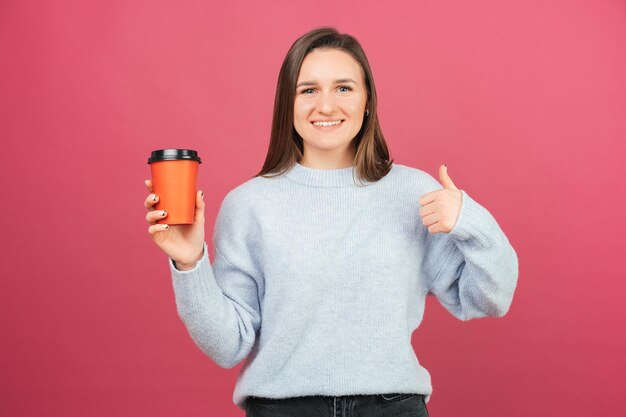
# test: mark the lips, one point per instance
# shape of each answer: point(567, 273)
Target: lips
point(329, 120)
point(327, 128)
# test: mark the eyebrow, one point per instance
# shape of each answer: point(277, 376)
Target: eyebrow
point(338, 81)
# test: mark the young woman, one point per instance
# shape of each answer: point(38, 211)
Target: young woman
point(324, 259)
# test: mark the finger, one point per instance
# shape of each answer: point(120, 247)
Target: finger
point(445, 179)
point(430, 220)
point(199, 215)
point(156, 228)
point(151, 200)
point(435, 228)
point(428, 198)
point(155, 215)
point(149, 185)
point(426, 210)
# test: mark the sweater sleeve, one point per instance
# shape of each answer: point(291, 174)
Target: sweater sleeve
point(219, 303)
point(473, 269)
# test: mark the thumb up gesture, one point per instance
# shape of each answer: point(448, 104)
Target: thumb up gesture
point(440, 208)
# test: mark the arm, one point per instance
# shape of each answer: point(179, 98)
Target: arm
point(219, 303)
point(473, 269)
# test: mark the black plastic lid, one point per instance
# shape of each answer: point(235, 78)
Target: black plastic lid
point(173, 155)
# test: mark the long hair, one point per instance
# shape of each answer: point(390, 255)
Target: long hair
point(286, 147)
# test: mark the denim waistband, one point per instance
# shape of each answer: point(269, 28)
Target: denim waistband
point(331, 397)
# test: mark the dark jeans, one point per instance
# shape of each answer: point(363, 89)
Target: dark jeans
point(381, 405)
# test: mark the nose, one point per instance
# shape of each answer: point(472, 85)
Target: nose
point(326, 103)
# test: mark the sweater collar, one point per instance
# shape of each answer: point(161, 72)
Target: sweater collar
point(314, 177)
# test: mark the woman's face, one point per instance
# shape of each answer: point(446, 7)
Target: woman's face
point(330, 88)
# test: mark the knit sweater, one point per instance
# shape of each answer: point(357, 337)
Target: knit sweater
point(319, 282)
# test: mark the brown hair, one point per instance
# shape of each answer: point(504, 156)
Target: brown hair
point(371, 160)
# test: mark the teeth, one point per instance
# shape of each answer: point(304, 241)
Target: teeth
point(327, 123)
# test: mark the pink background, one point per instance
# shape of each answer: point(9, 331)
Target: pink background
point(524, 101)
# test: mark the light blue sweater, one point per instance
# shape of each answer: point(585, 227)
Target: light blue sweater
point(318, 282)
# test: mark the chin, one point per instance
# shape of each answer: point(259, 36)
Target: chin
point(328, 142)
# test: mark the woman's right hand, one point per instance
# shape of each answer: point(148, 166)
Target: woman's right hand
point(183, 243)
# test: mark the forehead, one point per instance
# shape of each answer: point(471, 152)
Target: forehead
point(329, 64)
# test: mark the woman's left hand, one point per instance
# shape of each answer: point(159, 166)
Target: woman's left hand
point(440, 208)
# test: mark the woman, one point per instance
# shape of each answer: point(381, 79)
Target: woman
point(319, 281)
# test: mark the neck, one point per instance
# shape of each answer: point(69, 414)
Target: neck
point(339, 177)
point(328, 161)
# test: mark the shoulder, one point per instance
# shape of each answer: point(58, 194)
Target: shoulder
point(250, 196)
point(415, 178)
point(243, 195)
point(237, 216)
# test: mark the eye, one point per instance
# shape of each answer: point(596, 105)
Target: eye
point(306, 90)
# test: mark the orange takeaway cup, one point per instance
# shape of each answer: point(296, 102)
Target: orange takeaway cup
point(174, 178)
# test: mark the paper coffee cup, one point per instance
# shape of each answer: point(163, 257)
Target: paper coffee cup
point(174, 180)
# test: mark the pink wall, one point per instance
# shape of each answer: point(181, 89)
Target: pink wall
point(524, 101)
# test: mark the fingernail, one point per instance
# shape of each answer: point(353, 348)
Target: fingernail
point(166, 226)
point(154, 198)
point(163, 213)
point(202, 194)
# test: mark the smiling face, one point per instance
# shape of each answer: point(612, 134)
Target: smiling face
point(330, 88)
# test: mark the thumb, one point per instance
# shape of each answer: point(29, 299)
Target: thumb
point(199, 215)
point(445, 179)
